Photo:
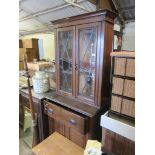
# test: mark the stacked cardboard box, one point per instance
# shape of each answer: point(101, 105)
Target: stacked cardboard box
point(30, 47)
point(31, 44)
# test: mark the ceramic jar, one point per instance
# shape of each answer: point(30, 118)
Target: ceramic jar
point(40, 82)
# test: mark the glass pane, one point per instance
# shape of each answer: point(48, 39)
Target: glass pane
point(65, 60)
point(87, 61)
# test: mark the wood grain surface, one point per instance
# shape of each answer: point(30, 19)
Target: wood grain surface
point(57, 144)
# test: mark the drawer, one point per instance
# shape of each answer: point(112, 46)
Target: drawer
point(129, 88)
point(117, 87)
point(128, 107)
point(130, 68)
point(69, 118)
point(119, 66)
point(124, 67)
point(116, 103)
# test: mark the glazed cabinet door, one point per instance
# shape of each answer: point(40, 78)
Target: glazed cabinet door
point(65, 60)
point(88, 43)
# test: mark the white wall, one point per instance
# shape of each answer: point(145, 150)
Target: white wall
point(128, 42)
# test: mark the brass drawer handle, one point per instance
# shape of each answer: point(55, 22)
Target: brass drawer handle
point(72, 121)
point(50, 111)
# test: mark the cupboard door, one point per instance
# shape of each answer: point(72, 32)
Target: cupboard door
point(65, 60)
point(86, 59)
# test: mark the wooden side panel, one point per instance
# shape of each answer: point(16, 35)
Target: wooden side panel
point(69, 118)
point(59, 127)
point(68, 132)
point(77, 137)
point(104, 63)
point(117, 144)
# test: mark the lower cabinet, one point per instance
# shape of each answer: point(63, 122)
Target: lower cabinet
point(24, 104)
point(68, 132)
point(72, 125)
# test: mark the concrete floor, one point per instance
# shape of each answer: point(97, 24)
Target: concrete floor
point(24, 148)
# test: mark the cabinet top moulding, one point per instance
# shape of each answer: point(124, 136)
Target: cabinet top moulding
point(101, 15)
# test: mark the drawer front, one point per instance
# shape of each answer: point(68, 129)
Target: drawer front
point(69, 118)
point(129, 88)
point(116, 103)
point(128, 107)
point(119, 66)
point(117, 87)
point(130, 68)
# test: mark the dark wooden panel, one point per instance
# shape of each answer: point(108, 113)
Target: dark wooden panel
point(59, 127)
point(77, 137)
point(68, 132)
point(104, 63)
point(69, 118)
point(117, 144)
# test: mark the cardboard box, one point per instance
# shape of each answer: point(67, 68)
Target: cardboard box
point(21, 65)
point(21, 53)
point(30, 43)
point(31, 54)
point(41, 65)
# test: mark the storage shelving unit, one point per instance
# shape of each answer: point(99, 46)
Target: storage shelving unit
point(123, 84)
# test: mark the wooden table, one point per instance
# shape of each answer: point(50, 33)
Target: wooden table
point(57, 144)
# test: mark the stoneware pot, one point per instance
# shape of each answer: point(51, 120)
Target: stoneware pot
point(40, 82)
